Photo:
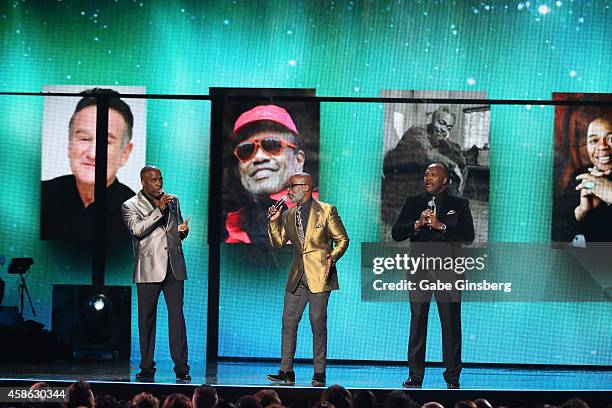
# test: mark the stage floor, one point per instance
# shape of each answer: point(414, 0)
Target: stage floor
point(253, 373)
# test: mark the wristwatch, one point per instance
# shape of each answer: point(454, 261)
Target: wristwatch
point(443, 227)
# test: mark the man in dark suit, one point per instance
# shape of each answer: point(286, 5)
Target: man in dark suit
point(319, 240)
point(156, 225)
point(445, 220)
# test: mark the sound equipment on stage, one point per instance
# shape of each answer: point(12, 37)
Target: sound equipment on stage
point(93, 321)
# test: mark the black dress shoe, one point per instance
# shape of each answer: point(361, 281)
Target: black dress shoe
point(318, 380)
point(145, 376)
point(286, 377)
point(453, 386)
point(183, 378)
point(412, 383)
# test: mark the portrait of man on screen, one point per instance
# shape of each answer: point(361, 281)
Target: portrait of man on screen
point(418, 135)
point(265, 143)
point(68, 200)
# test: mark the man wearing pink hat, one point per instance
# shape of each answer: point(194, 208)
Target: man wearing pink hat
point(267, 146)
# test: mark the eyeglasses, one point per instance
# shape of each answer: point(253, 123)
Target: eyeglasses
point(246, 150)
point(290, 186)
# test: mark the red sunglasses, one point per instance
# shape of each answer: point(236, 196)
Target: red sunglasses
point(246, 150)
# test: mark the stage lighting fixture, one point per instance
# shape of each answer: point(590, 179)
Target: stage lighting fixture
point(98, 302)
point(20, 266)
point(96, 319)
point(93, 321)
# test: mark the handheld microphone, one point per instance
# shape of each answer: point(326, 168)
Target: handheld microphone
point(172, 199)
point(278, 204)
point(431, 205)
point(172, 196)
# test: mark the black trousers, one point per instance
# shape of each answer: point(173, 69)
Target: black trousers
point(148, 295)
point(449, 309)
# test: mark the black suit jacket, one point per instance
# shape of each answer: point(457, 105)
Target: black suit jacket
point(453, 211)
point(63, 216)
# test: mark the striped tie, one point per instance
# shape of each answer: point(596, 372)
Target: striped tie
point(298, 224)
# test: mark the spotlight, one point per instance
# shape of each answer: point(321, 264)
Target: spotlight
point(98, 302)
point(93, 321)
point(96, 319)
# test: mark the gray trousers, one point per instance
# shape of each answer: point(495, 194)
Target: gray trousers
point(295, 303)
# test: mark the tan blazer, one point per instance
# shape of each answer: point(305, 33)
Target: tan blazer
point(154, 242)
point(324, 229)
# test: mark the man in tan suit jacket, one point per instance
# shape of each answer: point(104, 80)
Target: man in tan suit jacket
point(313, 227)
point(156, 226)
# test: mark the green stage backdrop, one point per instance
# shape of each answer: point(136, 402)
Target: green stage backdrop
point(509, 49)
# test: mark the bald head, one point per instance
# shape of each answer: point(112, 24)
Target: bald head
point(432, 404)
point(442, 121)
point(301, 177)
point(435, 178)
point(152, 181)
point(147, 169)
point(441, 168)
point(299, 188)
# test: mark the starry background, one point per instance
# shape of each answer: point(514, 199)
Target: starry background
point(508, 49)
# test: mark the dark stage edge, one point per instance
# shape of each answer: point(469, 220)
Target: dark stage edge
point(501, 386)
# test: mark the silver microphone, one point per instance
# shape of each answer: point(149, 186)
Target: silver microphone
point(278, 205)
point(432, 204)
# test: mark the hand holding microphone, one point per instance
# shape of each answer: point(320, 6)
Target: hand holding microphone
point(164, 200)
point(431, 205)
point(423, 219)
point(428, 216)
point(276, 210)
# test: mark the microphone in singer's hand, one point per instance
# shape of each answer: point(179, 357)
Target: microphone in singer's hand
point(431, 205)
point(172, 196)
point(278, 205)
point(172, 201)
